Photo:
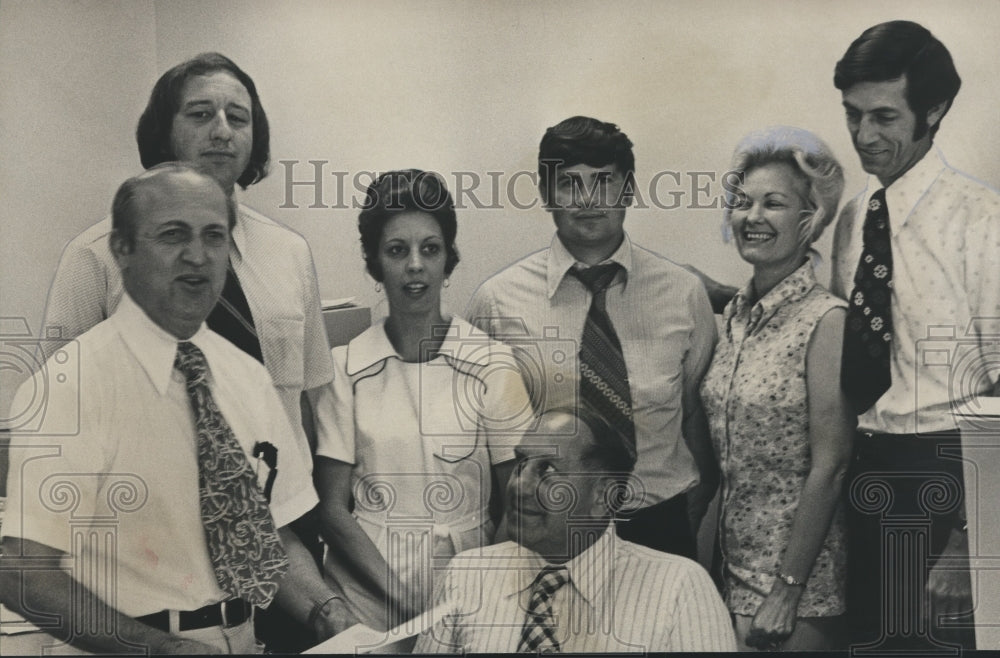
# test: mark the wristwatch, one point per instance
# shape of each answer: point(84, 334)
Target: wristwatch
point(789, 580)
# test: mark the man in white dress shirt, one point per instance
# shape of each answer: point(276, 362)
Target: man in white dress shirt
point(118, 536)
point(569, 583)
point(655, 313)
point(933, 298)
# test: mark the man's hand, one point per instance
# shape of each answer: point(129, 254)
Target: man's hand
point(719, 294)
point(950, 588)
point(775, 619)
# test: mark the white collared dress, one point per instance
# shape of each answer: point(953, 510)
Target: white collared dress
point(422, 438)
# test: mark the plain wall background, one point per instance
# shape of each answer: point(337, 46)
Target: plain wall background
point(447, 86)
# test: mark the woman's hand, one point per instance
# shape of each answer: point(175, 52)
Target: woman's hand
point(775, 620)
point(950, 585)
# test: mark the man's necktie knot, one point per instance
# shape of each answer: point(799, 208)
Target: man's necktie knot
point(190, 361)
point(598, 277)
point(549, 580)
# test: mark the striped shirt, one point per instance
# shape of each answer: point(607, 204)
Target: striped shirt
point(621, 597)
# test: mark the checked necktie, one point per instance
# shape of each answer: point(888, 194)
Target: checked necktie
point(864, 371)
point(604, 384)
point(231, 318)
point(246, 553)
point(538, 635)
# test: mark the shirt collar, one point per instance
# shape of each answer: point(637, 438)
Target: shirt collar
point(589, 572)
point(903, 195)
point(239, 233)
point(154, 347)
point(792, 288)
point(560, 261)
point(463, 344)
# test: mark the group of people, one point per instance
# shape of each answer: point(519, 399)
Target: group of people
point(535, 500)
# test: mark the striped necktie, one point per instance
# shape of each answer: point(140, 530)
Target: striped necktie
point(864, 372)
point(604, 386)
point(231, 318)
point(538, 635)
point(243, 544)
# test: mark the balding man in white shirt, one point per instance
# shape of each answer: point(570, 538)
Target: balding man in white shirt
point(160, 523)
point(569, 583)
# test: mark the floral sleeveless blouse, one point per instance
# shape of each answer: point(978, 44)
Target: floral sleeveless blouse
point(756, 400)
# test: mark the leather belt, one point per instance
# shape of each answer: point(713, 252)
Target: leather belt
point(226, 614)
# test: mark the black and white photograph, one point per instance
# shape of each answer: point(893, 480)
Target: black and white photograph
point(342, 326)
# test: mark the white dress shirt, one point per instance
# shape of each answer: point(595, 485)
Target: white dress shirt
point(130, 470)
point(945, 292)
point(664, 321)
point(275, 269)
point(621, 597)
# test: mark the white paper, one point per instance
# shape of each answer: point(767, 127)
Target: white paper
point(340, 302)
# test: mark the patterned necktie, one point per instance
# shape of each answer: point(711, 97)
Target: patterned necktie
point(231, 318)
point(603, 376)
point(244, 546)
point(539, 632)
point(864, 371)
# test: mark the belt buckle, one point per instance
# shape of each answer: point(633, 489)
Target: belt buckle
point(224, 612)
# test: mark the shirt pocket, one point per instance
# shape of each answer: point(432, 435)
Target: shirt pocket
point(282, 341)
point(452, 449)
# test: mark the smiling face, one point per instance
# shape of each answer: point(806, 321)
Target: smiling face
point(411, 255)
point(214, 126)
point(588, 206)
point(553, 488)
point(882, 128)
point(176, 268)
point(768, 220)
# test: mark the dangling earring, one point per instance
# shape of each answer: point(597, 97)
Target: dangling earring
point(446, 282)
point(378, 286)
point(727, 232)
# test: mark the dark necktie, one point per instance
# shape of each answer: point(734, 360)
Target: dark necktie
point(539, 631)
point(864, 370)
point(246, 553)
point(231, 318)
point(604, 384)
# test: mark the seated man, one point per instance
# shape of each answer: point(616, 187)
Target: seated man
point(569, 583)
point(146, 526)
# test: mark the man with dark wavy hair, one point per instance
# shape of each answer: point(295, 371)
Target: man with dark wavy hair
point(207, 111)
point(914, 254)
point(642, 327)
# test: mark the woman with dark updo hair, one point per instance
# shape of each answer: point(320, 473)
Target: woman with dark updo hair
point(424, 418)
